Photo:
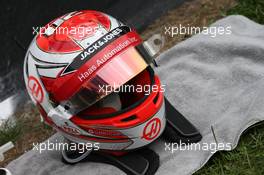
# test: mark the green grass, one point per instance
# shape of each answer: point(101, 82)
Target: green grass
point(10, 132)
point(253, 9)
point(26, 129)
point(248, 157)
point(23, 126)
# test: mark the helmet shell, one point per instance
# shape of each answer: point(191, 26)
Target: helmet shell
point(50, 64)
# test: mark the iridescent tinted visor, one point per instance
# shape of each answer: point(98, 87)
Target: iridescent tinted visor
point(115, 73)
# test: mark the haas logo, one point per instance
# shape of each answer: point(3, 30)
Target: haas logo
point(71, 130)
point(152, 129)
point(35, 89)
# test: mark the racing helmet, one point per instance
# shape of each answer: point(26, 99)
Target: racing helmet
point(92, 80)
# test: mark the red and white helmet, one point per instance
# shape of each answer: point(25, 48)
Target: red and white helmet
point(73, 69)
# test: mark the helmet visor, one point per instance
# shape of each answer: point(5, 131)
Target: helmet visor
point(107, 79)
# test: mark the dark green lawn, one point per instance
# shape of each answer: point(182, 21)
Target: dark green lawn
point(246, 159)
point(253, 9)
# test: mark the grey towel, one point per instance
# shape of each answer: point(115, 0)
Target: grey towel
point(216, 82)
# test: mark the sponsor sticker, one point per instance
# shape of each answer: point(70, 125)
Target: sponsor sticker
point(71, 130)
point(152, 129)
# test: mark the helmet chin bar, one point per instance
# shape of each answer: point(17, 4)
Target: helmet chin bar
point(143, 161)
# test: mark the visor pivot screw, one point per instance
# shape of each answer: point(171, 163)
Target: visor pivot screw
point(66, 107)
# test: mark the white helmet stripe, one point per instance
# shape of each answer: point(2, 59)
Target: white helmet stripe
point(52, 73)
